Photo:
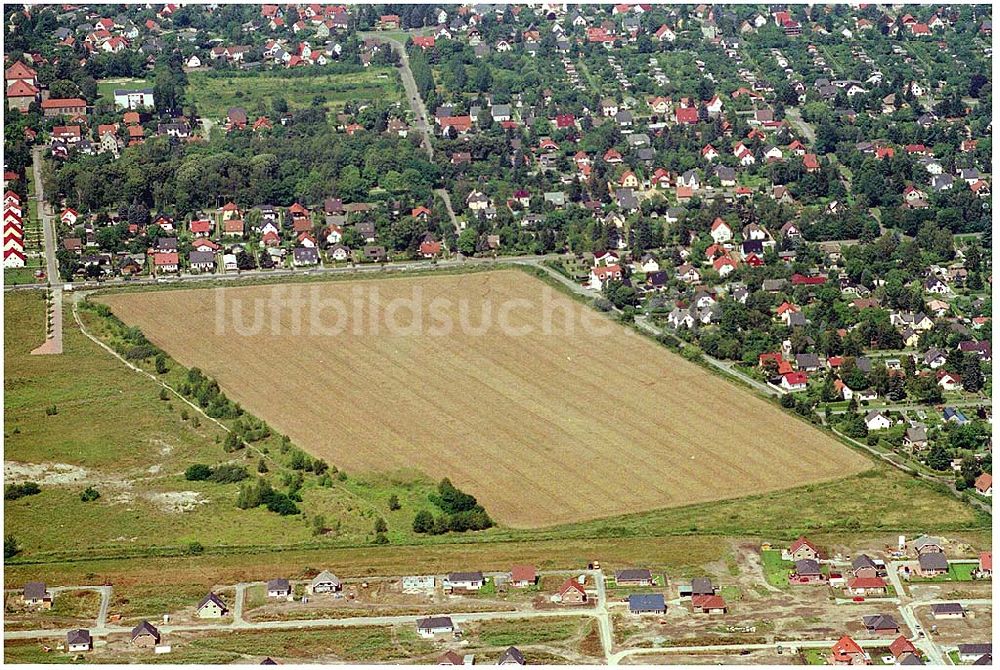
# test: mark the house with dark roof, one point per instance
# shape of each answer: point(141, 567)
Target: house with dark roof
point(880, 624)
point(948, 611)
point(932, 564)
point(278, 588)
point(211, 607)
point(435, 625)
point(466, 581)
point(145, 634)
point(647, 603)
point(79, 640)
point(634, 577)
point(511, 656)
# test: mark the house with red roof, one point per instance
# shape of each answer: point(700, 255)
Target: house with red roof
point(986, 563)
point(424, 43)
point(805, 280)
point(523, 576)
point(602, 274)
point(848, 652)
point(725, 265)
point(166, 261)
point(794, 381)
point(201, 227)
point(430, 248)
point(803, 549)
point(810, 162)
point(866, 586)
point(984, 486)
point(571, 593)
point(565, 121)
point(901, 646)
point(686, 115)
point(21, 94)
point(54, 107)
point(14, 257)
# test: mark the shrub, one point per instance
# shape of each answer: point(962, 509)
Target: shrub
point(90, 494)
point(198, 472)
point(15, 491)
point(423, 522)
point(10, 547)
point(394, 503)
point(195, 548)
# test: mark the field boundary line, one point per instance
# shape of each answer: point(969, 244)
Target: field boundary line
point(134, 368)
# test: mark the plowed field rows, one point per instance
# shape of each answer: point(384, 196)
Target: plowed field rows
point(549, 426)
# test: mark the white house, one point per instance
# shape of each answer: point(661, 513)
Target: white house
point(602, 274)
point(877, 421)
point(126, 99)
point(721, 232)
point(435, 625)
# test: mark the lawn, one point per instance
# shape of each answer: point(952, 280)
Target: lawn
point(214, 94)
point(957, 572)
point(106, 87)
point(775, 569)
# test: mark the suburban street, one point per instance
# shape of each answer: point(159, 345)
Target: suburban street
point(601, 612)
point(420, 116)
point(54, 337)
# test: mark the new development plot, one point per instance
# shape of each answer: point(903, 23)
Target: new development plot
point(544, 425)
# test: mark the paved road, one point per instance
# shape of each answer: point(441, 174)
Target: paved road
point(446, 197)
point(292, 274)
point(910, 407)
point(795, 118)
point(420, 116)
point(54, 338)
point(240, 598)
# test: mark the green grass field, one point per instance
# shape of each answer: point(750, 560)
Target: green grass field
point(957, 572)
point(213, 95)
point(106, 87)
point(506, 633)
point(775, 569)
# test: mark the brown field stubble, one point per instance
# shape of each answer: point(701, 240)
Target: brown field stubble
point(544, 428)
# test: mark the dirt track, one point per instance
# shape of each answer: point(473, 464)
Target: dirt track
point(543, 428)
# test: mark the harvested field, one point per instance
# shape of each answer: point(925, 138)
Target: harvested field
point(545, 425)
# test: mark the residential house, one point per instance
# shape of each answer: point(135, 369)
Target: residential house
point(647, 603)
point(145, 634)
point(279, 588)
point(932, 564)
point(211, 607)
point(325, 582)
point(571, 593)
point(78, 640)
point(464, 581)
point(431, 627)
